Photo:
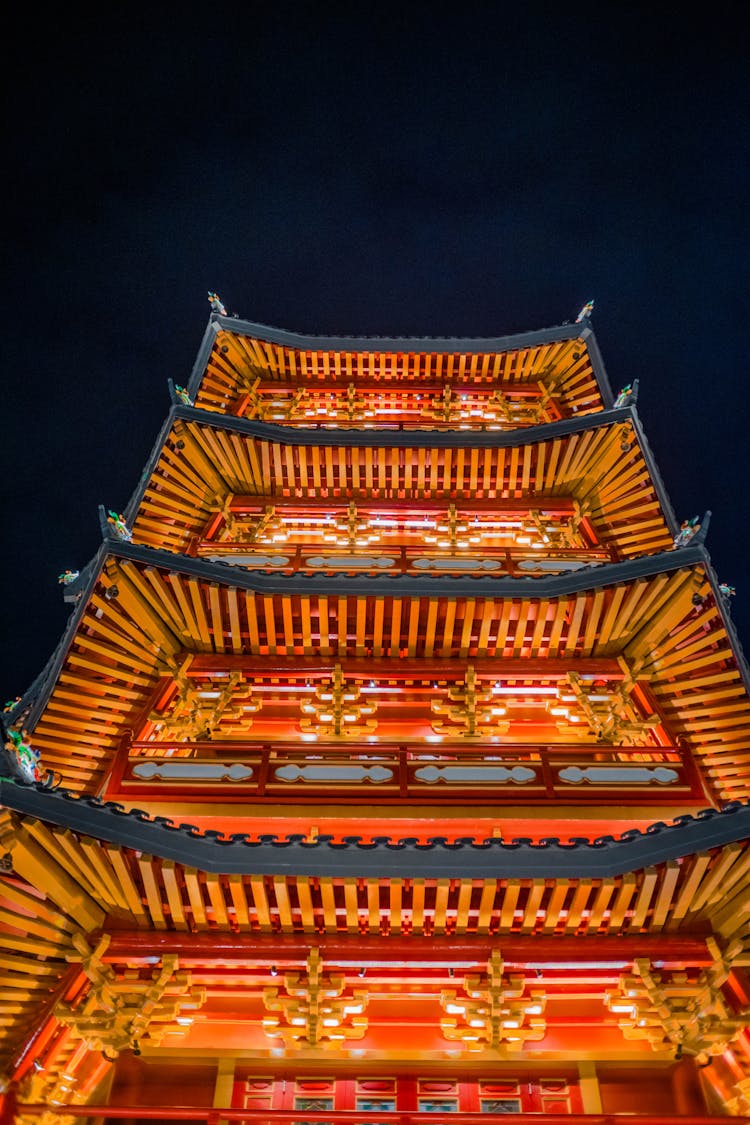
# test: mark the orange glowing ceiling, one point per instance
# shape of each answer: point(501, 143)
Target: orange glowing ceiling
point(142, 617)
point(592, 490)
point(254, 371)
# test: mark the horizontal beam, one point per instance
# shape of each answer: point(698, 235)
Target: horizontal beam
point(404, 668)
point(288, 743)
point(402, 383)
point(552, 504)
point(448, 950)
point(353, 1117)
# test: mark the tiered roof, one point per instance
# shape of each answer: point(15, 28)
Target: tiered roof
point(464, 550)
point(120, 647)
point(600, 581)
point(203, 465)
point(235, 354)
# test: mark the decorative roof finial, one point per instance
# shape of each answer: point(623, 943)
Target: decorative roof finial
point(585, 312)
point(68, 577)
point(688, 530)
point(726, 592)
point(215, 302)
point(183, 396)
point(21, 759)
point(118, 525)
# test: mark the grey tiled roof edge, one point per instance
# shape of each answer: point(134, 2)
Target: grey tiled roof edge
point(589, 577)
point(383, 856)
point(592, 576)
point(406, 439)
point(432, 344)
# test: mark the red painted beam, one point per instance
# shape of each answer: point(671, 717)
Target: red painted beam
point(401, 383)
point(451, 951)
point(557, 505)
point(344, 1117)
point(494, 668)
point(559, 753)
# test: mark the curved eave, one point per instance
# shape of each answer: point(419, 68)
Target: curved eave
point(401, 439)
point(651, 619)
point(383, 857)
point(384, 440)
point(653, 470)
point(587, 578)
point(412, 586)
point(425, 345)
point(445, 344)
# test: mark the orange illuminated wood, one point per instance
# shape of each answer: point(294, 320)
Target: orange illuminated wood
point(495, 709)
point(629, 518)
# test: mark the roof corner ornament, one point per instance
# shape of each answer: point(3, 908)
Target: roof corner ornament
point(183, 396)
point(628, 396)
point(119, 527)
point(69, 582)
point(585, 312)
point(688, 531)
point(21, 761)
point(216, 304)
point(727, 592)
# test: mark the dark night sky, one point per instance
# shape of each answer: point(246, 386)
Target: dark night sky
point(361, 168)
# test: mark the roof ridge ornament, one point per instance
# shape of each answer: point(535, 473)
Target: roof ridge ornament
point(120, 528)
point(21, 761)
point(182, 395)
point(628, 395)
point(727, 592)
point(585, 312)
point(693, 529)
point(216, 304)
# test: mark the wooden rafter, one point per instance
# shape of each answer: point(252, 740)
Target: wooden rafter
point(202, 467)
point(683, 651)
point(238, 364)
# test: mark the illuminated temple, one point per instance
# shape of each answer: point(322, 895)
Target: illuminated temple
point(394, 762)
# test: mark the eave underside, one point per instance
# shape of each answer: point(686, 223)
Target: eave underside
point(141, 614)
point(78, 871)
point(605, 468)
point(234, 353)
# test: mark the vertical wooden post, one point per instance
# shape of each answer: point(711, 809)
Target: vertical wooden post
point(591, 1099)
point(224, 1086)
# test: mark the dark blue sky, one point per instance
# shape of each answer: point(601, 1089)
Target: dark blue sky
point(362, 168)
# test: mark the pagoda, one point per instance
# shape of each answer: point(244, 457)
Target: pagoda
point(395, 761)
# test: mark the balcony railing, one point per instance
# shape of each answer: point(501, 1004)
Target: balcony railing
point(443, 775)
point(319, 557)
